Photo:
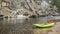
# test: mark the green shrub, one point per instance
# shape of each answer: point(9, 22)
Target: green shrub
point(57, 3)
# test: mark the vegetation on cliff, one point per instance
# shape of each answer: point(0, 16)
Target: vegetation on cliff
point(57, 3)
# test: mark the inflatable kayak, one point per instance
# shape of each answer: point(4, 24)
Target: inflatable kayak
point(44, 25)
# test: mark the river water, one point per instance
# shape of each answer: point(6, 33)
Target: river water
point(22, 26)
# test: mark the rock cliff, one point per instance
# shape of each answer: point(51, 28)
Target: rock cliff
point(31, 7)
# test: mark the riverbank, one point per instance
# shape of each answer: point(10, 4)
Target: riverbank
point(55, 29)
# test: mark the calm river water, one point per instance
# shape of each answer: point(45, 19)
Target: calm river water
point(22, 26)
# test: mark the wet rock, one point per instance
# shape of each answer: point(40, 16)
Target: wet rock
point(6, 16)
point(1, 15)
point(33, 16)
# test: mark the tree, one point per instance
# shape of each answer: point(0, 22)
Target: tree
point(57, 3)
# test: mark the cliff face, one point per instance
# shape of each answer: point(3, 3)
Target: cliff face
point(31, 7)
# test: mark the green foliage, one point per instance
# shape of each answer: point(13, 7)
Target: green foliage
point(0, 9)
point(57, 3)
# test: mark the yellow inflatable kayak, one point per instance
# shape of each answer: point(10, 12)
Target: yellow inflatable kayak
point(44, 25)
